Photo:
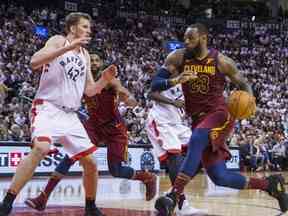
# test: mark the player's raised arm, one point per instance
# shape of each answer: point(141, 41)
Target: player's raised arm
point(166, 77)
point(92, 87)
point(162, 80)
point(228, 67)
point(54, 47)
point(156, 96)
point(124, 94)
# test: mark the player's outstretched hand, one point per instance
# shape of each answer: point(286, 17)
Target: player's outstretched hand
point(186, 76)
point(109, 73)
point(106, 77)
point(80, 42)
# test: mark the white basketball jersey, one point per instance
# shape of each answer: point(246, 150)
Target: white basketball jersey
point(166, 113)
point(63, 80)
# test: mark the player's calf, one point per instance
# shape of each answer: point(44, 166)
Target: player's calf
point(149, 179)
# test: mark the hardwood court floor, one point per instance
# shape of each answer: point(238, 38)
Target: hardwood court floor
point(118, 197)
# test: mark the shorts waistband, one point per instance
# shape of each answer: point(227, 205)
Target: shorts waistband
point(64, 108)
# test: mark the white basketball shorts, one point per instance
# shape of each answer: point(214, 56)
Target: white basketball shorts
point(167, 137)
point(52, 124)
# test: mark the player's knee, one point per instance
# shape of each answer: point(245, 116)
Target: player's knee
point(40, 149)
point(88, 163)
point(219, 178)
point(64, 166)
point(115, 169)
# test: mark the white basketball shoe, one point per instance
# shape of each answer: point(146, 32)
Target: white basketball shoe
point(187, 209)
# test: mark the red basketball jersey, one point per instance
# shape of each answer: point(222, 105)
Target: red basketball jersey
point(103, 108)
point(204, 93)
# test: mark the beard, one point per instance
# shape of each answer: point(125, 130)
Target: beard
point(193, 52)
point(96, 73)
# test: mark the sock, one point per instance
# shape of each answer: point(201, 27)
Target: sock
point(180, 182)
point(141, 175)
point(53, 181)
point(256, 183)
point(9, 198)
point(90, 203)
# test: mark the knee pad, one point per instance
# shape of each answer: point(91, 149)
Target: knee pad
point(40, 151)
point(114, 169)
point(64, 166)
point(117, 170)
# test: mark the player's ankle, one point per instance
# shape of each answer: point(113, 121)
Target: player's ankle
point(9, 198)
point(90, 203)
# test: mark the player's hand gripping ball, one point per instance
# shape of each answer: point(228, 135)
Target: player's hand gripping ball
point(241, 104)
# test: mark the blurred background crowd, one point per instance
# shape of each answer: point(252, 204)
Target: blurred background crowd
point(135, 44)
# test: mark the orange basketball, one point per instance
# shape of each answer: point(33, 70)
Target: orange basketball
point(241, 104)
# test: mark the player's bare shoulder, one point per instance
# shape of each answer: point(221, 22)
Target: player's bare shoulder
point(56, 41)
point(174, 60)
point(226, 65)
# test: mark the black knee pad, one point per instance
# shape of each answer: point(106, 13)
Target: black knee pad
point(115, 169)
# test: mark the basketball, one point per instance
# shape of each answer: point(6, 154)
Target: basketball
point(241, 104)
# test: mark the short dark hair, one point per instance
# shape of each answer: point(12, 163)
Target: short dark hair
point(73, 19)
point(202, 29)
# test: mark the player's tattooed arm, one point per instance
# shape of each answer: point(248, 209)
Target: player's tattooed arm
point(228, 67)
point(163, 79)
point(156, 96)
point(174, 63)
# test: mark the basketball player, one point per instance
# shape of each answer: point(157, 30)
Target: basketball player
point(66, 76)
point(104, 125)
point(169, 136)
point(202, 73)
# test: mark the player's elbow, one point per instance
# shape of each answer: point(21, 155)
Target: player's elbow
point(153, 94)
point(89, 92)
point(34, 64)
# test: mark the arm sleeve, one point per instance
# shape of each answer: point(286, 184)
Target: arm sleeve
point(160, 81)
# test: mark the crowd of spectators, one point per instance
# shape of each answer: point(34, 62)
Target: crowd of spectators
point(136, 46)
